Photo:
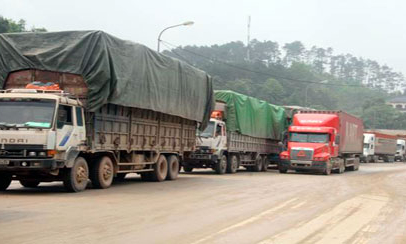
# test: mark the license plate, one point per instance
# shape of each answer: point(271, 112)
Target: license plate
point(4, 162)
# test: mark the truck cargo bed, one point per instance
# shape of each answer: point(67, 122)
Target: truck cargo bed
point(242, 143)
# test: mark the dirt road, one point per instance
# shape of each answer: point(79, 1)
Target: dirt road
point(368, 206)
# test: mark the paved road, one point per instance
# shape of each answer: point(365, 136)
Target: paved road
point(368, 206)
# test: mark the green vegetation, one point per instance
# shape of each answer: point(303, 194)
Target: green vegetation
point(278, 75)
point(10, 26)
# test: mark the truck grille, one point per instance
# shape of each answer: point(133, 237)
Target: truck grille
point(18, 151)
point(301, 154)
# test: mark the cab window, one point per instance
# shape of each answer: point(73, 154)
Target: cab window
point(64, 116)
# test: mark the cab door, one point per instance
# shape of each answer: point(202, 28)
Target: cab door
point(64, 127)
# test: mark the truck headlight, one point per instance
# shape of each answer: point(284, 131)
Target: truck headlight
point(42, 154)
point(32, 154)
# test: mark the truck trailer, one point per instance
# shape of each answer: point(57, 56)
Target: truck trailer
point(322, 141)
point(82, 105)
point(379, 146)
point(243, 131)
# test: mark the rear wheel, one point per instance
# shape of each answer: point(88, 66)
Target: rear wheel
point(221, 165)
point(160, 169)
point(5, 181)
point(258, 164)
point(102, 173)
point(187, 168)
point(75, 178)
point(232, 164)
point(173, 167)
point(342, 168)
point(327, 171)
point(265, 163)
point(29, 183)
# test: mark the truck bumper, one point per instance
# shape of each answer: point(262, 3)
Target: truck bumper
point(201, 160)
point(315, 166)
point(29, 164)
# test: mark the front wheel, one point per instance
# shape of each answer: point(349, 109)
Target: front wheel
point(221, 165)
point(5, 181)
point(75, 178)
point(29, 183)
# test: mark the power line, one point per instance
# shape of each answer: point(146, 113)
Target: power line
point(259, 72)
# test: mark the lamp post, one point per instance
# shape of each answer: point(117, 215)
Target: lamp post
point(169, 27)
point(308, 85)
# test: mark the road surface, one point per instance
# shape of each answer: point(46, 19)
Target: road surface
point(368, 206)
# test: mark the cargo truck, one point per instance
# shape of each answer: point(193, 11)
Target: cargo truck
point(379, 146)
point(243, 131)
point(323, 141)
point(100, 108)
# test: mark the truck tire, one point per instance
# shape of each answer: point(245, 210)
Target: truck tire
point(327, 171)
point(102, 173)
point(187, 168)
point(160, 169)
point(30, 183)
point(173, 167)
point(341, 168)
point(265, 163)
point(221, 165)
point(232, 164)
point(258, 164)
point(5, 181)
point(75, 178)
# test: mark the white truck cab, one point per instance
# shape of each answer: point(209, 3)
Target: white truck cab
point(39, 130)
point(400, 150)
point(369, 148)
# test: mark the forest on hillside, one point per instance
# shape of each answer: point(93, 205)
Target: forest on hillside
point(294, 75)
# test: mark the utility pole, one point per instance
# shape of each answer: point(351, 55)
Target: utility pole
point(248, 37)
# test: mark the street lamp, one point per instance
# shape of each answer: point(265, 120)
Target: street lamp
point(159, 37)
point(308, 85)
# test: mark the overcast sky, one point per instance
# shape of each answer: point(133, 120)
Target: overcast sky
point(374, 29)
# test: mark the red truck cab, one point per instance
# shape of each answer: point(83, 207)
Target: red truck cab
point(323, 141)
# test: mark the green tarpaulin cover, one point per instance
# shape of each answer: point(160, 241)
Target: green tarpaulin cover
point(116, 71)
point(251, 116)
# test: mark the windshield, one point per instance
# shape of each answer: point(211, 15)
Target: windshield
point(309, 137)
point(208, 132)
point(27, 112)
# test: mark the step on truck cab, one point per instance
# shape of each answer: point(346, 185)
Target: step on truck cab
point(323, 141)
point(104, 121)
point(243, 131)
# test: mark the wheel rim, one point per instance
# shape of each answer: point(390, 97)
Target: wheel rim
point(223, 164)
point(234, 164)
point(107, 171)
point(81, 174)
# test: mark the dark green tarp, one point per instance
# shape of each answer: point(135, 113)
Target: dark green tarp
point(251, 116)
point(116, 71)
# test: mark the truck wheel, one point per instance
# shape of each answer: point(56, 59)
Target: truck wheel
point(258, 164)
point(160, 169)
point(75, 178)
point(29, 183)
point(173, 168)
point(187, 168)
point(265, 164)
point(5, 181)
point(221, 165)
point(232, 164)
point(342, 168)
point(327, 171)
point(102, 173)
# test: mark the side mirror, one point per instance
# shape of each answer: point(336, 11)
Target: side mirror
point(337, 140)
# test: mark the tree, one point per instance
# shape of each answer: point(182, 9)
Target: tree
point(10, 26)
